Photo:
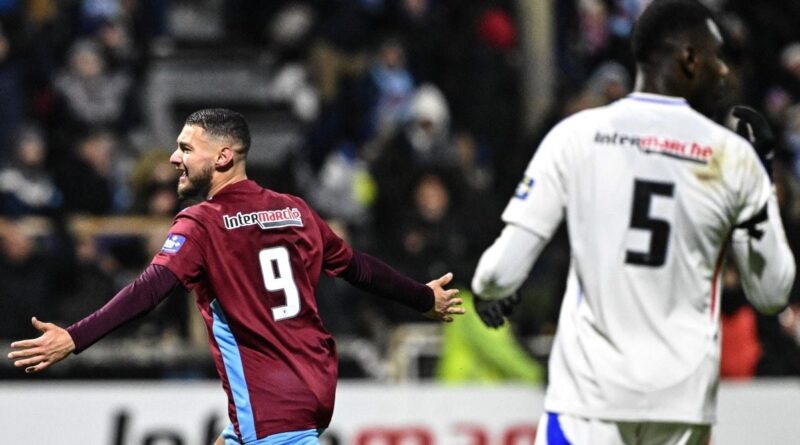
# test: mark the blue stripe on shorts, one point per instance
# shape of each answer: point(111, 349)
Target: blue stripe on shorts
point(234, 371)
point(555, 435)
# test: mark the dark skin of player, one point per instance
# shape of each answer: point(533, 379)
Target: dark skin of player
point(691, 68)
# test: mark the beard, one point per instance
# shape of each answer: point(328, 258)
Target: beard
point(196, 187)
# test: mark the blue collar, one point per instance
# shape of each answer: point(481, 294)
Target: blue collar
point(657, 99)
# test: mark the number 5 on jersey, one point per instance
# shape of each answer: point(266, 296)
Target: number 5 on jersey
point(277, 272)
point(643, 192)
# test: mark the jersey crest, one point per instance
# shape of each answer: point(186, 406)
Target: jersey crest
point(524, 188)
point(173, 244)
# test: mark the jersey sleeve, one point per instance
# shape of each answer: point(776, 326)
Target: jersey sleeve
point(539, 202)
point(182, 252)
point(337, 254)
point(753, 184)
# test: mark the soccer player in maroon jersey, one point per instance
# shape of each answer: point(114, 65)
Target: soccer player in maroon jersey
point(253, 257)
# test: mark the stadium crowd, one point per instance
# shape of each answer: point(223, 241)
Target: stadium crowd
point(413, 137)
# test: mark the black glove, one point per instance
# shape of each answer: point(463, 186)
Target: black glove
point(754, 127)
point(493, 312)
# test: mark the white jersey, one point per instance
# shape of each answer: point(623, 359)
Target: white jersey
point(651, 190)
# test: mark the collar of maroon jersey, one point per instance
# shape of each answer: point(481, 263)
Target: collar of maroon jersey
point(245, 184)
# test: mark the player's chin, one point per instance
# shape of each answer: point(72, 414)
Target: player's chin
point(185, 189)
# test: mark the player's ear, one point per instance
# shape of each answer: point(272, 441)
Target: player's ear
point(225, 158)
point(687, 60)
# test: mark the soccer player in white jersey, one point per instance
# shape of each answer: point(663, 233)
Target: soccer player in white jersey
point(653, 193)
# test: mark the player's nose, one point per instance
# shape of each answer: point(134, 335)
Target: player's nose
point(175, 157)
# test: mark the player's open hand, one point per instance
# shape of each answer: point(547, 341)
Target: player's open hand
point(36, 354)
point(444, 303)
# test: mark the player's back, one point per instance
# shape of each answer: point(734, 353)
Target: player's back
point(262, 254)
point(651, 191)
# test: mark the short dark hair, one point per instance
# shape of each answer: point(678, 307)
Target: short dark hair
point(662, 19)
point(224, 123)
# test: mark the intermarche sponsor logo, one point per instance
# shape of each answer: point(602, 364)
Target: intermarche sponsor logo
point(266, 219)
point(674, 148)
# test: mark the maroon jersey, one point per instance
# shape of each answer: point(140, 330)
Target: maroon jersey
point(254, 257)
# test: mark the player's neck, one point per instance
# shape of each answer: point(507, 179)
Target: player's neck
point(225, 181)
point(648, 82)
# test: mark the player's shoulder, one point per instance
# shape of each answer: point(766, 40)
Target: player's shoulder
point(193, 218)
point(287, 200)
point(723, 136)
point(197, 211)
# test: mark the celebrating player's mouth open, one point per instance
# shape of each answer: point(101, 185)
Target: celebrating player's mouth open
point(196, 166)
point(254, 257)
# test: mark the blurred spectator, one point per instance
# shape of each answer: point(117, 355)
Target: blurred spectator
point(26, 186)
point(489, 100)
point(290, 29)
point(25, 271)
point(388, 90)
point(291, 86)
point(340, 52)
point(95, 13)
point(345, 190)
point(92, 281)
point(90, 95)
point(117, 46)
point(431, 235)
point(89, 178)
point(338, 61)
point(776, 104)
point(153, 181)
point(422, 143)
point(472, 162)
point(12, 101)
point(609, 82)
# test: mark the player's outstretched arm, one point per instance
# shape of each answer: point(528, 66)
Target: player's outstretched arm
point(765, 261)
point(444, 303)
point(376, 277)
point(55, 343)
point(39, 353)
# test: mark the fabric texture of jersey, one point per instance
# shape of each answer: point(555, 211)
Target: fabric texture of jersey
point(651, 190)
point(254, 257)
